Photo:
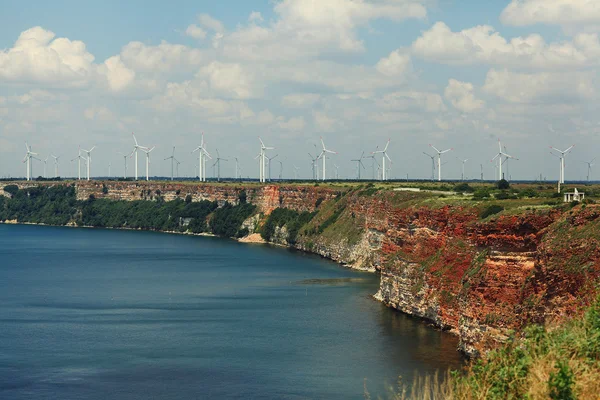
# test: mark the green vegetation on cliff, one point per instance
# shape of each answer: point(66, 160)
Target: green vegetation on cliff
point(58, 205)
point(560, 362)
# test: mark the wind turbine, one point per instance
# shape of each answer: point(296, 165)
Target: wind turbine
point(500, 161)
point(45, 163)
point(177, 168)
point(561, 178)
point(55, 165)
point(89, 160)
point(147, 151)
point(383, 156)
point(237, 168)
point(79, 158)
point(125, 162)
point(432, 165)
point(439, 156)
point(313, 164)
point(172, 158)
point(323, 156)
point(296, 172)
point(462, 176)
point(590, 164)
point(280, 169)
point(202, 154)
point(263, 157)
point(269, 164)
point(218, 164)
point(359, 163)
point(28, 156)
point(137, 147)
point(337, 171)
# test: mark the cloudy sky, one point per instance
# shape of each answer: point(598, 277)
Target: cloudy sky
point(451, 73)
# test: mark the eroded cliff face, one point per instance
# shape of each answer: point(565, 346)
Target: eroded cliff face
point(481, 279)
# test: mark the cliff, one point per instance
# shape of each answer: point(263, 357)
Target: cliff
point(482, 279)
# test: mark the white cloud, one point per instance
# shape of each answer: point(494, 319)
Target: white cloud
point(230, 80)
point(117, 74)
point(195, 31)
point(300, 100)
point(557, 12)
point(38, 57)
point(397, 64)
point(412, 100)
point(256, 17)
point(561, 87)
point(211, 23)
point(323, 122)
point(460, 95)
point(164, 57)
point(98, 113)
point(292, 124)
point(481, 44)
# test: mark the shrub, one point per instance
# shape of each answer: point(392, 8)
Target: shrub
point(242, 197)
point(188, 199)
point(561, 382)
point(104, 189)
point(491, 210)
point(11, 189)
point(463, 188)
point(502, 184)
point(483, 193)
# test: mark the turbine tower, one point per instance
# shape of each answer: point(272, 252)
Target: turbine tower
point(563, 153)
point(590, 164)
point(55, 165)
point(462, 176)
point(296, 172)
point(359, 164)
point(218, 164)
point(137, 147)
point(432, 165)
point(125, 162)
point(500, 161)
point(269, 164)
point(79, 158)
point(173, 160)
point(237, 168)
point(337, 171)
point(280, 170)
point(439, 156)
point(28, 156)
point(323, 156)
point(313, 165)
point(384, 156)
point(262, 160)
point(147, 151)
point(45, 164)
point(202, 155)
point(89, 160)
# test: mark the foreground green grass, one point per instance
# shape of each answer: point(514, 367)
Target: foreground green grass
point(557, 362)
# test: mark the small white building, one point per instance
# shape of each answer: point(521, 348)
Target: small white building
point(573, 196)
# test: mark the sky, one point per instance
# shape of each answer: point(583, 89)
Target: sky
point(454, 74)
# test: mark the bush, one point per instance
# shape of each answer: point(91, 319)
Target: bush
point(104, 189)
point(463, 188)
point(561, 382)
point(491, 210)
point(502, 184)
point(11, 189)
point(227, 220)
point(483, 193)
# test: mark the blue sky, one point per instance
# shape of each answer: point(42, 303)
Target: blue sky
point(455, 74)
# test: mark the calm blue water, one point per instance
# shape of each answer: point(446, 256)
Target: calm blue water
point(101, 314)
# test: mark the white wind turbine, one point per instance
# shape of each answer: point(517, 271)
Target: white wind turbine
point(262, 158)
point(296, 172)
point(89, 160)
point(359, 163)
point(45, 164)
point(28, 156)
point(563, 153)
point(125, 163)
point(439, 156)
point(202, 155)
point(462, 176)
point(323, 156)
point(269, 164)
point(590, 164)
point(337, 171)
point(55, 165)
point(218, 164)
point(173, 160)
point(432, 165)
point(237, 168)
point(383, 156)
point(313, 165)
point(137, 147)
point(147, 151)
point(79, 158)
point(500, 161)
